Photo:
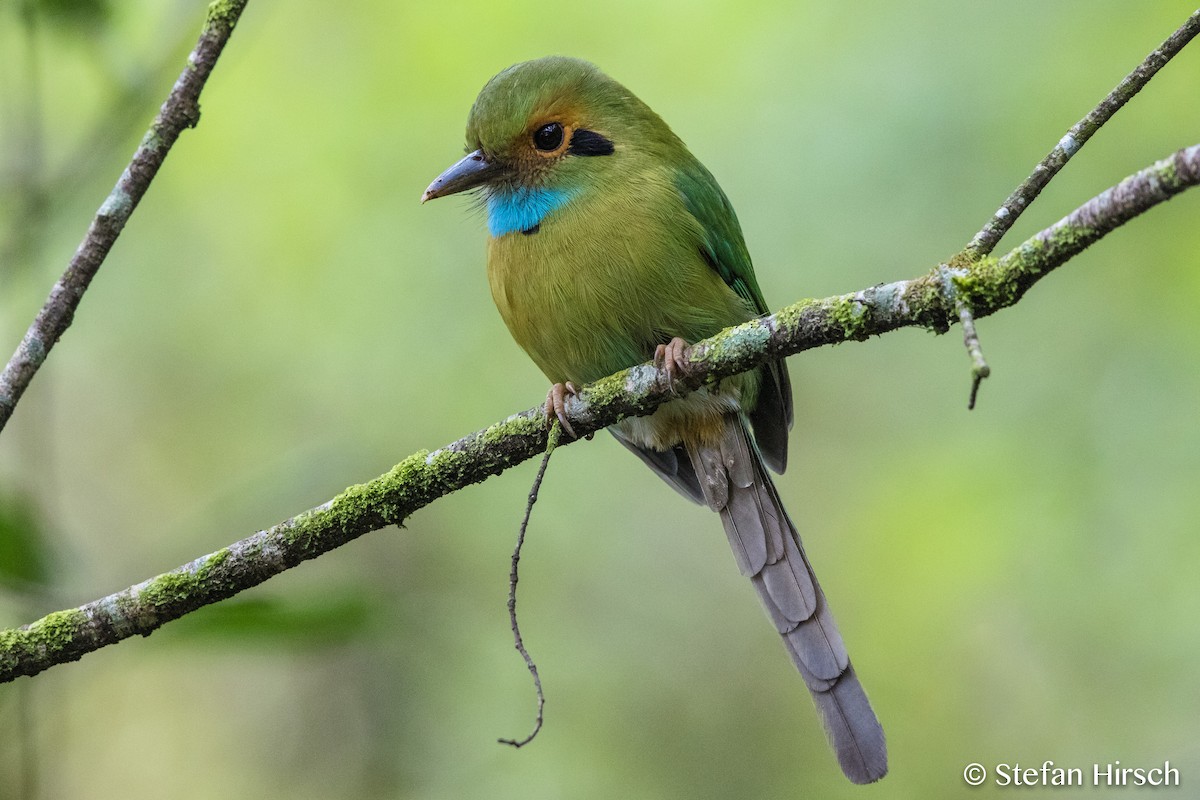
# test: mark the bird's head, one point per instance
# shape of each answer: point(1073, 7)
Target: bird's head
point(543, 132)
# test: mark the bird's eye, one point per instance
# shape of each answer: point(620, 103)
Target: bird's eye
point(548, 137)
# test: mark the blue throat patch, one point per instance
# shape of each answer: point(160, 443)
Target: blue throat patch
point(521, 208)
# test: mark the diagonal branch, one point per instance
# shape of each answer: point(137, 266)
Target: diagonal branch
point(180, 110)
point(987, 239)
point(987, 284)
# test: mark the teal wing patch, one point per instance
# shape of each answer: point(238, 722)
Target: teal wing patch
point(723, 247)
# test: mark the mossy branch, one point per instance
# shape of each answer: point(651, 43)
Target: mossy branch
point(987, 284)
point(180, 111)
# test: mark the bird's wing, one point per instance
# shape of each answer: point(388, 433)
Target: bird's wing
point(723, 247)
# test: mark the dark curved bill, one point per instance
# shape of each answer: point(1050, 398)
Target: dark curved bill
point(473, 170)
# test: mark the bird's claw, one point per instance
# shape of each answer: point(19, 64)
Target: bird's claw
point(556, 405)
point(671, 360)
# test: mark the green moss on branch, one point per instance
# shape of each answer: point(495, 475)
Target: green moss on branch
point(985, 284)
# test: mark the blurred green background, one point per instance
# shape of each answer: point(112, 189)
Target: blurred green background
point(281, 319)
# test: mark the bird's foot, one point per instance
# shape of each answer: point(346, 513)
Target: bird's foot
point(670, 359)
point(556, 405)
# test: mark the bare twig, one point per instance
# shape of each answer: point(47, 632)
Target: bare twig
point(979, 367)
point(987, 238)
point(986, 285)
point(181, 110)
point(513, 577)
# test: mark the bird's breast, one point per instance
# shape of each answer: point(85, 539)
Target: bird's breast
point(603, 280)
point(606, 277)
point(599, 284)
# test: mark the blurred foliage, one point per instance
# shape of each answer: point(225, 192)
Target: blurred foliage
point(281, 319)
point(24, 556)
point(89, 15)
point(260, 621)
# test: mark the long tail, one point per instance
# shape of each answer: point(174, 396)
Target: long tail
point(768, 549)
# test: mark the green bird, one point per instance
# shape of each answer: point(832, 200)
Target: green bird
point(611, 245)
